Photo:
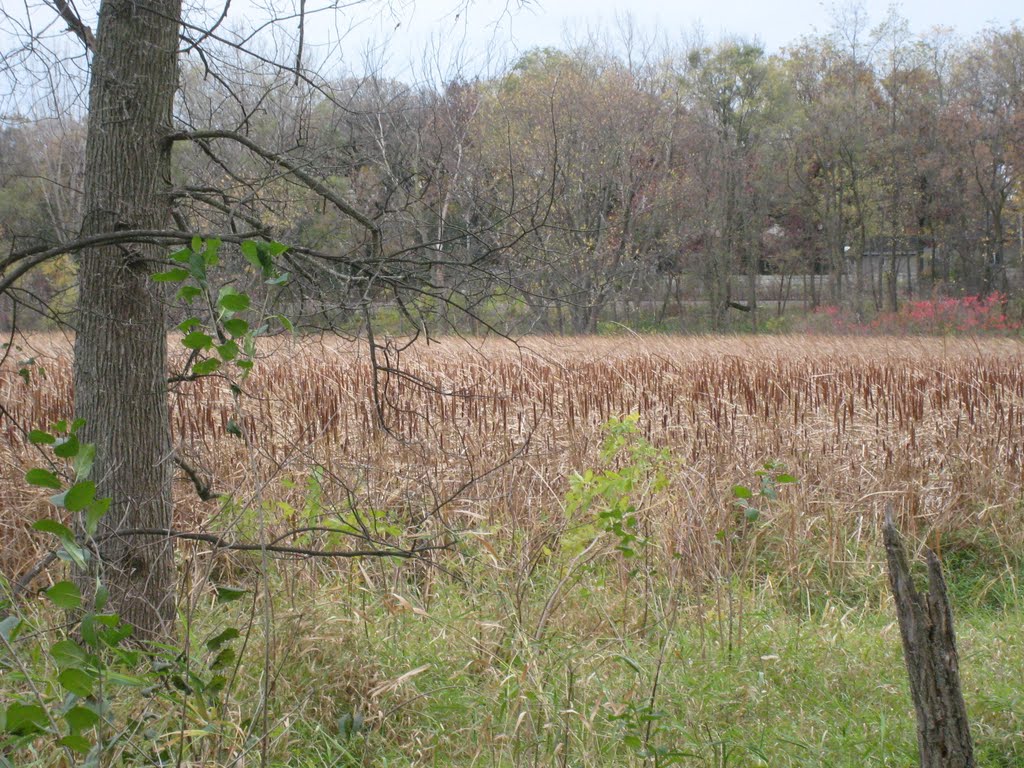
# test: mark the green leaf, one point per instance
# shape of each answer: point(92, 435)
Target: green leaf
point(228, 350)
point(76, 743)
point(84, 461)
point(175, 275)
point(68, 653)
point(784, 478)
point(107, 619)
point(212, 248)
point(629, 663)
point(43, 478)
point(113, 637)
point(742, 492)
point(232, 301)
point(94, 513)
point(197, 340)
point(206, 367)
point(229, 594)
point(251, 252)
point(197, 244)
point(59, 530)
point(76, 425)
point(225, 658)
point(236, 326)
point(197, 267)
point(258, 255)
point(285, 323)
point(102, 595)
point(39, 437)
point(9, 628)
point(216, 684)
point(632, 741)
point(65, 594)
point(245, 365)
point(80, 495)
point(26, 719)
point(76, 680)
point(130, 681)
point(233, 429)
point(187, 325)
point(181, 256)
point(67, 447)
point(188, 293)
point(103, 628)
point(275, 248)
point(81, 718)
point(281, 279)
point(71, 551)
point(227, 635)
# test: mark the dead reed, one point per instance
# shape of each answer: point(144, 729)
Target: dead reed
point(934, 425)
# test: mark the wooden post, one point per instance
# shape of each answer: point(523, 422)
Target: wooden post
point(929, 648)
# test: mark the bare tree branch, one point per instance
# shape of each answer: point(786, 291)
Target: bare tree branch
point(67, 12)
point(295, 168)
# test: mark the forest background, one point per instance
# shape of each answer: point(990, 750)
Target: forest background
point(619, 181)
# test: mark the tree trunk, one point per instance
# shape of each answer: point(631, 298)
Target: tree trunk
point(892, 278)
point(752, 272)
point(929, 649)
point(120, 347)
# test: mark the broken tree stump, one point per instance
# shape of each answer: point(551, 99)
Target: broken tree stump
point(929, 649)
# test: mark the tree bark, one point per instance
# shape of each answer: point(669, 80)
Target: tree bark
point(929, 649)
point(120, 346)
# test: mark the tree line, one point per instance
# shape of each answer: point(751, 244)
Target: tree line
point(610, 178)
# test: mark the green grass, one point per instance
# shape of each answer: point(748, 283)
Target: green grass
point(460, 675)
point(794, 690)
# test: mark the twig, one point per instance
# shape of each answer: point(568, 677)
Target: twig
point(220, 542)
point(203, 488)
point(75, 23)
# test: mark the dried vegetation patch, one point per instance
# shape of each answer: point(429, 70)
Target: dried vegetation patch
point(934, 426)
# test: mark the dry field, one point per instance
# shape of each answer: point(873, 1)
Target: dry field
point(934, 426)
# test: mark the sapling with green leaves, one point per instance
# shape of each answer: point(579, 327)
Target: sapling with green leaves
point(80, 683)
point(218, 332)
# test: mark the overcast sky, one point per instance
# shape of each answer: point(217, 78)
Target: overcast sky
point(507, 28)
point(473, 37)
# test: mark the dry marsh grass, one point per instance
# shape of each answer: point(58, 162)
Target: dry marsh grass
point(933, 425)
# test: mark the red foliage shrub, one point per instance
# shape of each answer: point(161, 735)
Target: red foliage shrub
point(970, 314)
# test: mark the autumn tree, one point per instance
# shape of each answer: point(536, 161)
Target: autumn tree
point(989, 108)
point(730, 100)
